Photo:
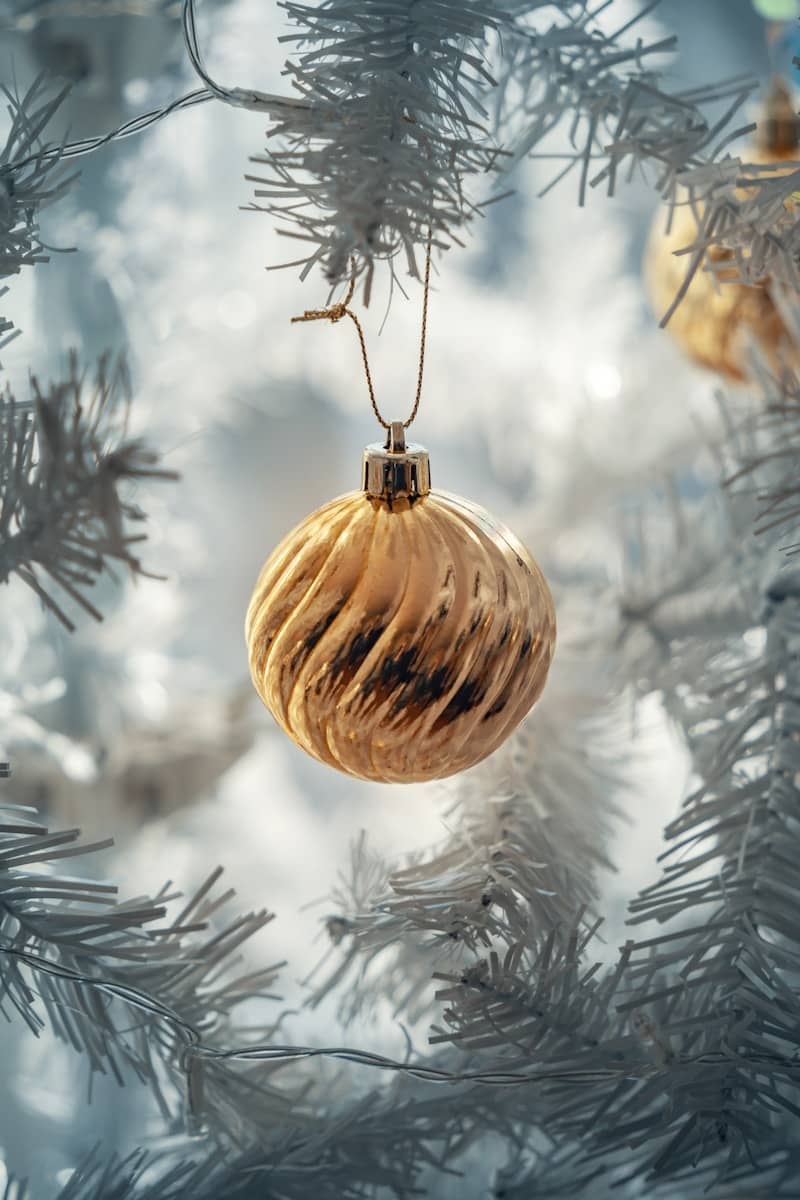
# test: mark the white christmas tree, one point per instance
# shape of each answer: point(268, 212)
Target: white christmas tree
point(465, 1026)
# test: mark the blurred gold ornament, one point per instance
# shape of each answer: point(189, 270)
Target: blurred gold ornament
point(717, 316)
point(400, 634)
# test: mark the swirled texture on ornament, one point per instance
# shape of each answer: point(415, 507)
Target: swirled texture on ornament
point(400, 642)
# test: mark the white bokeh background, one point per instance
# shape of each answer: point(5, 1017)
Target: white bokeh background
point(550, 397)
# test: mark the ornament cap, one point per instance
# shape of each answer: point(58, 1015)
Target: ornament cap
point(779, 132)
point(397, 470)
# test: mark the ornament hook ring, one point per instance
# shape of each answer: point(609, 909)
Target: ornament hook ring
point(396, 438)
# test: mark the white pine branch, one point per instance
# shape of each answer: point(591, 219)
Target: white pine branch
point(527, 841)
point(747, 210)
point(63, 471)
point(31, 177)
point(389, 133)
point(601, 86)
point(129, 985)
point(770, 472)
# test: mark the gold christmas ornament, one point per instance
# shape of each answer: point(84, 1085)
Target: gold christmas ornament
point(400, 634)
point(714, 322)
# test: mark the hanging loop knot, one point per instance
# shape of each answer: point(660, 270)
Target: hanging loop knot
point(335, 312)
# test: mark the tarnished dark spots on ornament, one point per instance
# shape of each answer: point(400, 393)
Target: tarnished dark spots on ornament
point(496, 709)
point(472, 629)
point(398, 670)
point(313, 637)
point(469, 696)
point(351, 657)
point(423, 689)
point(504, 588)
point(398, 677)
point(529, 646)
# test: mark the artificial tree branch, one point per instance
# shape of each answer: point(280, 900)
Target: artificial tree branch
point(31, 177)
point(526, 844)
point(64, 468)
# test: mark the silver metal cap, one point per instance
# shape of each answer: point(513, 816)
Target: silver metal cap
point(396, 471)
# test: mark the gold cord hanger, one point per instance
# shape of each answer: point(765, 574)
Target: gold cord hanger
point(335, 313)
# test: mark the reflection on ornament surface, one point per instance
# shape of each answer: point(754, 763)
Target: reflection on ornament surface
point(400, 638)
point(717, 319)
